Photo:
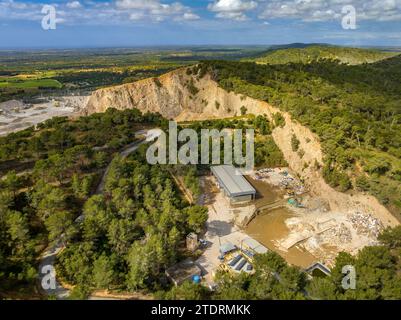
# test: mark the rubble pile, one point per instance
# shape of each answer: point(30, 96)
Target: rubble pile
point(280, 177)
point(344, 234)
point(366, 224)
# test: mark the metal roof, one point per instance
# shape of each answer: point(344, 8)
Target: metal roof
point(320, 267)
point(255, 245)
point(232, 181)
point(227, 247)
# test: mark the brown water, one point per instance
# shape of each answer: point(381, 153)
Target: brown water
point(268, 227)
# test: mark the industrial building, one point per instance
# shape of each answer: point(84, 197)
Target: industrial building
point(234, 185)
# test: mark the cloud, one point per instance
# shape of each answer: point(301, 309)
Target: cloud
point(11, 10)
point(116, 12)
point(123, 12)
point(74, 5)
point(190, 16)
point(325, 10)
point(232, 9)
point(156, 10)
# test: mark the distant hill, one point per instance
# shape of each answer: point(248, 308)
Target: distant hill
point(297, 45)
point(352, 56)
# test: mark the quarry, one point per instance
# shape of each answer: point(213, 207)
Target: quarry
point(314, 221)
point(297, 214)
point(17, 115)
point(172, 95)
point(304, 231)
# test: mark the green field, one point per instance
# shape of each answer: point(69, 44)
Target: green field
point(22, 84)
point(23, 75)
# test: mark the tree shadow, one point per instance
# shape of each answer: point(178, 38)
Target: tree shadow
point(219, 228)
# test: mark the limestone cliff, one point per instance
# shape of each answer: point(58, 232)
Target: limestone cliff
point(177, 95)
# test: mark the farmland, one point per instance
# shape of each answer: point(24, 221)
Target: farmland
point(23, 75)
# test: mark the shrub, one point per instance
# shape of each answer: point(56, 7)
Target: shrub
point(295, 143)
point(279, 120)
point(193, 90)
point(362, 183)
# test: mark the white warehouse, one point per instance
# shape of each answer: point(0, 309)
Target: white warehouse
point(234, 185)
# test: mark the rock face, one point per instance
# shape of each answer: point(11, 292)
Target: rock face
point(174, 95)
point(177, 95)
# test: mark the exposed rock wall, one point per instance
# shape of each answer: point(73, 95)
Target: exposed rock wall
point(175, 95)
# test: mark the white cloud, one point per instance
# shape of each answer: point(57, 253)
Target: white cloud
point(74, 5)
point(11, 10)
point(190, 16)
point(156, 10)
point(121, 12)
point(325, 10)
point(232, 9)
point(114, 12)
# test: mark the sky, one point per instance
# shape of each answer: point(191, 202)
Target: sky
point(131, 23)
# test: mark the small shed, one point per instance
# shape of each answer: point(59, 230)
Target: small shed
point(227, 248)
point(183, 271)
point(254, 246)
point(318, 270)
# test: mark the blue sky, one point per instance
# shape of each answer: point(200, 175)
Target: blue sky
point(125, 23)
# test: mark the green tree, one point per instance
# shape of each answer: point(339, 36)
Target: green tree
point(80, 292)
point(391, 238)
point(322, 289)
point(96, 218)
point(232, 287)
point(295, 143)
point(17, 227)
point(197, 217)
point(47, 199)
point(187, 291)
point(268, 263)
point(145, 261)
point(60, 223)
point(104, 273)
point(292, 279)
point(12, 182)
point(121, 233)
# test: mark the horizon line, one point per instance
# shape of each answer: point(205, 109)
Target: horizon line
point(186, 46)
